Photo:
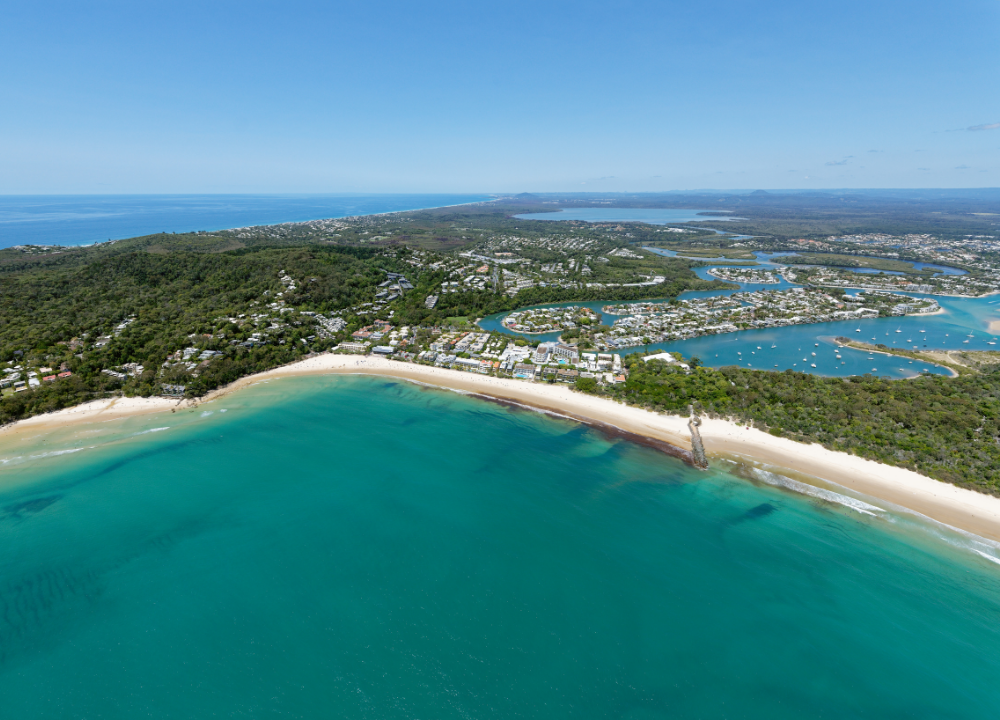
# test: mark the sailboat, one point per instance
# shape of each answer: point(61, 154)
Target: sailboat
point(859, 329)
point(773, 346)
point(899, 329)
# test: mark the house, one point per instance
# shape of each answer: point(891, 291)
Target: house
point(666, 357)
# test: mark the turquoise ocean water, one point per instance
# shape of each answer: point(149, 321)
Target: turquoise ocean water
point(364, 548)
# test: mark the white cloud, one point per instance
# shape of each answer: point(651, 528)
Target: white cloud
point(987, 126)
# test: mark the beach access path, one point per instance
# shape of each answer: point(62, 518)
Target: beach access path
point(967, 510)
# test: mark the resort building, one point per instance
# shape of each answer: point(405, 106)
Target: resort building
point(524, 371)
point(353, 347)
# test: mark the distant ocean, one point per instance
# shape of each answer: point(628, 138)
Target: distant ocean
point(365, 548)
point(84, 219)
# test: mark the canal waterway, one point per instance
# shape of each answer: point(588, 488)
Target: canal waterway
point(961, 325)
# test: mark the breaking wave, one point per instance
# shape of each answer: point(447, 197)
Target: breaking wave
point(800, 487)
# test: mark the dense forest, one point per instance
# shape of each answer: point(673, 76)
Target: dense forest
point(946, 428)
point(54, 315)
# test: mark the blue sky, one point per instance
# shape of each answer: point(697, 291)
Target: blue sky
point(107, 97)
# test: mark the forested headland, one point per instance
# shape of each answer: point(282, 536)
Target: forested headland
point(115, 315)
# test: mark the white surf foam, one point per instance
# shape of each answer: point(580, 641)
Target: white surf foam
point(151, 430)
point(800, 487)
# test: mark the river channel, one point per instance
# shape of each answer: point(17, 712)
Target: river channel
point(961, 325)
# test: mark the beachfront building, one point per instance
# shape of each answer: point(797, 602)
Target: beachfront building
point(353, 347)
point(525, 371)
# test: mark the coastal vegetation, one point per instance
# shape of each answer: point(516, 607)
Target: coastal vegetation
point(137, 308)
point(946, 428)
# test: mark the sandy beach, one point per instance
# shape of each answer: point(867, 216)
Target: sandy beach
point(964, 509)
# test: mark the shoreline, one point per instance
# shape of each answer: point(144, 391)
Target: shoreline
point(952, 372)
point(967, 510)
